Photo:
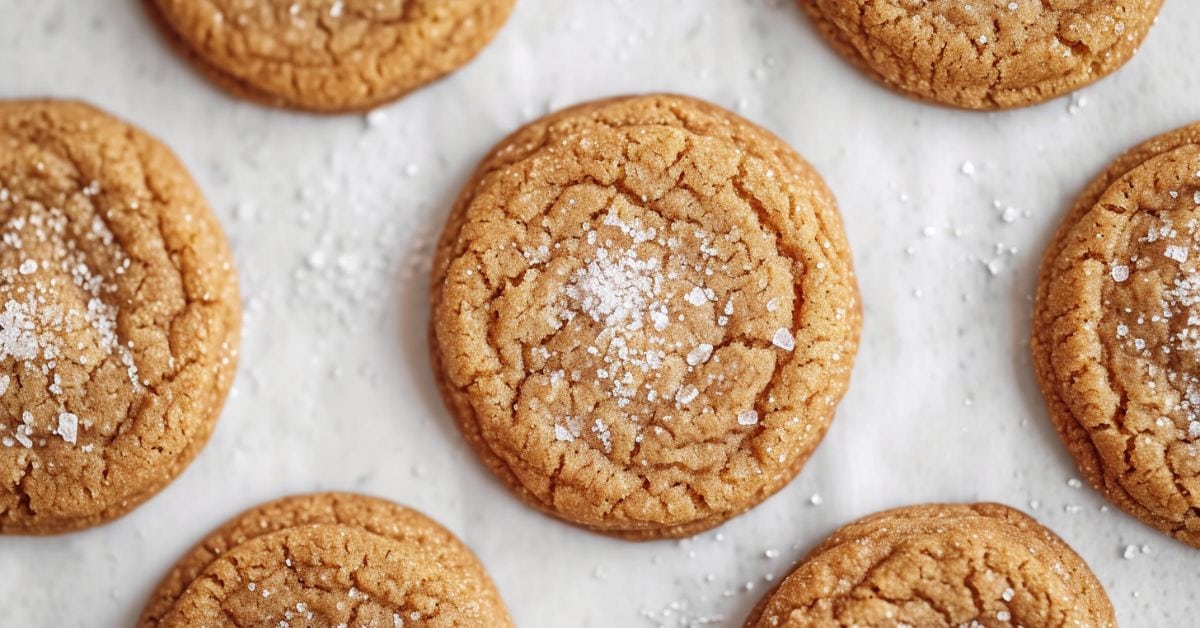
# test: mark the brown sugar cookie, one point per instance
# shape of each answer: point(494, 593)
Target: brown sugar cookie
point(644, 314)
point(939, 565)
point(1116, 332)
point(327, 559)
point(119, 317)
point(328, 55)
point(985, 54)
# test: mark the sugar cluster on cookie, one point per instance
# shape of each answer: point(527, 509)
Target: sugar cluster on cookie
point(644, 314)
point(939, 565)
point(1116, 336)
point(119, 317)
point(327, 559)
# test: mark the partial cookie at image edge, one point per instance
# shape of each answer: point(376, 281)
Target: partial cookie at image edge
point(133, 175)
point(895, 527)
point(495, 12)
point(371, 514)
point(1073, 435)
point(977, 97)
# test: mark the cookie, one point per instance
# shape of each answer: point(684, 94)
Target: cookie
point(1116, 333)
point(327, 559)
point(984, 54)
point(328, 55)
point(939, 565)
point(119, 317)
point(644, 314)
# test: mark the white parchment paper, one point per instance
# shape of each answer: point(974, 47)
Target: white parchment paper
point(333, 218)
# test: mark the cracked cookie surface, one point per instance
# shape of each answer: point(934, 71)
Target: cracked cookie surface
point(644, 314)
point(328, 559)
point(939, 565)
point(119, 317)
point(1116, 332)
point(328, 55)
point(985, 54)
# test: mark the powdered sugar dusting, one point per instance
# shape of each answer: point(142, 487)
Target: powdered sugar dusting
point(618, 289)
point(40, 323)
point(686, 395)
point(700, 354)
point(568, 430)
point(639, 305)
point(601, 432)
point(784, 339)
point(25, 430)
point(622, 289)
point(68, 427)
point(1155, 332)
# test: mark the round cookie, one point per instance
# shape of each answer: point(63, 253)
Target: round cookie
point(1115, 333)
point(119, 317)
point(939, 565)
point(323, 560)
point(985, 54)
point(644, 314)
point(328, 55)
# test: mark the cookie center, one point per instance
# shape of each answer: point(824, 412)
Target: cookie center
point(58, 315)
point(630, 287)
point(657, 327)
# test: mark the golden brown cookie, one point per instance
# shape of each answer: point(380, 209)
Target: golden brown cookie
point(1116, 332)
point(985, 54)
point(644, 314)
point(328, 559)
point(328, 55)
point(939, 565)
point(119, 317)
